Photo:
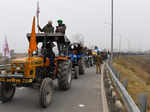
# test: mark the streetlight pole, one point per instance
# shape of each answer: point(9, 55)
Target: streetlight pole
point(112, 30)
point(120, 42)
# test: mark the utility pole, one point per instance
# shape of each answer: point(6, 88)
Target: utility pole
point(120, 42)
point(112, 30)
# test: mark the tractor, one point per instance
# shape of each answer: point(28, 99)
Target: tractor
point(89, 58)
point(40, 69)
point(77, 57)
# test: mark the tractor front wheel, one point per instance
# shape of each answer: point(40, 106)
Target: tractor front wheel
point(46, 92)
point(81, 67)
point(76, 72)
point(7, 92)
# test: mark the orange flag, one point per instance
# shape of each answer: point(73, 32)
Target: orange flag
point(33, 44)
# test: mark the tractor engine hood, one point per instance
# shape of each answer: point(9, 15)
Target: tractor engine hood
point(26, 59)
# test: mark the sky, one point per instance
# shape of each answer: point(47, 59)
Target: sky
point(90, 18)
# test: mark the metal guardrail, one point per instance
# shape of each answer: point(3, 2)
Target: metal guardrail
point(128, 101)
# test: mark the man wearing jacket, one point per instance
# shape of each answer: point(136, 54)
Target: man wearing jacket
point(48, 28)
point(61, 28)
point(98, 63)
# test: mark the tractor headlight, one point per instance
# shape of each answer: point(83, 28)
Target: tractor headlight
point(75, 56)
point(3, 72)
point(18, 68)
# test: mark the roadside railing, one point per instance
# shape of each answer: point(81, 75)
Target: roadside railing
point(126, 98)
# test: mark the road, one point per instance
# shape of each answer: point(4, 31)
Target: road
point(84, 96)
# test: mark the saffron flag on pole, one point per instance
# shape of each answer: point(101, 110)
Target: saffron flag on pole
point(32, 44)
point(5, 48)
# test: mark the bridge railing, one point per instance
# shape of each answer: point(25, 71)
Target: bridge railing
point(126, 98)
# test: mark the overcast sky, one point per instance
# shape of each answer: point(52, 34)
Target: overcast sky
point(91, 18)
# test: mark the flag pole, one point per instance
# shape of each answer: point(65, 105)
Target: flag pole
point(37, 13)
point(38, 23)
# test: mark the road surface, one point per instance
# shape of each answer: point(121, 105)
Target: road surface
point(84, 96)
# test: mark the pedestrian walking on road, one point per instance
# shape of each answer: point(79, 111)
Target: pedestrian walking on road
point(98, 64)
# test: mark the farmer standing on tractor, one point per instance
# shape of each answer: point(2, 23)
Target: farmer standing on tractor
point(61, 28)
point(48, 28)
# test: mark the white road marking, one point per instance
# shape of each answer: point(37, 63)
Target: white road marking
point(21, 88)
point(81, 105)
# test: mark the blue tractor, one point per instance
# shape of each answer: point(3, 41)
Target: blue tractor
point(77, 57)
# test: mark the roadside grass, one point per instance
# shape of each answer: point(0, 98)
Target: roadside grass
point(136, 70)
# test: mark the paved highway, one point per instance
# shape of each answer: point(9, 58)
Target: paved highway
point(84, 96)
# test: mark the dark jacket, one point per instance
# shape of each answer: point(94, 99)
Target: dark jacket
point(61, 28)
point(47, 29)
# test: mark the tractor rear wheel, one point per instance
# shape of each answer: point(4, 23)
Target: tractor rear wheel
point(46, 92)
point(7, 92)
point(76, 72)
point(65, 73)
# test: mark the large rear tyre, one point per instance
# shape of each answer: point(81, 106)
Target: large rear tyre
point(7, 92)
point(76, 72)
point(46, 92)
point(65, 71)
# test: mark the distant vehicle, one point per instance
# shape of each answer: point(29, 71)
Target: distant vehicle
point(77, 57)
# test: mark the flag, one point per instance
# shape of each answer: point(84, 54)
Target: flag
point(38, 9)
point(32, 44)
point(5, 48)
